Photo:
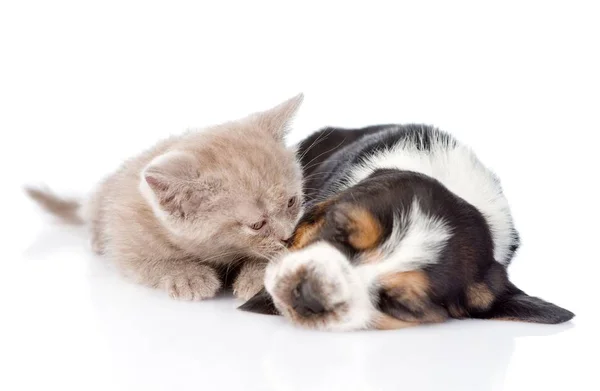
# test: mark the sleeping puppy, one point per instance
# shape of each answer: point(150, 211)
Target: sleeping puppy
point(404, 226)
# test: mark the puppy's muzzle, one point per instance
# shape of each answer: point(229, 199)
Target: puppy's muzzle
point(306, 300)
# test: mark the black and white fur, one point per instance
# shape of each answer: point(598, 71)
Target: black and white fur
point(437, 210)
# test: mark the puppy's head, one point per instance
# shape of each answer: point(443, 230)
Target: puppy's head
point(396, 250)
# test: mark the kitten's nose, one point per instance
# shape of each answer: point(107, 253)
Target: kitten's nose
point(286, 242)
point(285, 239)
point(305, 300)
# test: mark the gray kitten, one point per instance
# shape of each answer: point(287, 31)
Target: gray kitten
point(175, 214)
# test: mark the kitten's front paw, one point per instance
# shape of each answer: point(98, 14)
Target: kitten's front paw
point(195, 285)
point(250, 280)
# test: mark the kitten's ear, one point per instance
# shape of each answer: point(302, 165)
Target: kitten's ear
point(170, 170)
point(276, 120)
point(516, 305)
point(174, 183)
point(261, 303)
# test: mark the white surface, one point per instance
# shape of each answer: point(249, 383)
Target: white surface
point(84, 86)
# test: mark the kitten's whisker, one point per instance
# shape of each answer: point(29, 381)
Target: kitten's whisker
point(233, 263)
point(314, 174)
point(307, 166)
point(316, 164)
point(221, 255)
point(314, 143)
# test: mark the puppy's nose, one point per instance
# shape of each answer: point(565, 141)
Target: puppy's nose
point(305, 300)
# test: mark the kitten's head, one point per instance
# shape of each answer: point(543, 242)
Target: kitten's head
point(234, 187)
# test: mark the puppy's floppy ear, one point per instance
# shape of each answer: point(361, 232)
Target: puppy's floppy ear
point(516, 305)
point(261, 303)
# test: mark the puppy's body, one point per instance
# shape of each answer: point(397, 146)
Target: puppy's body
point(404, 226)
point(174, 215)
point(413, 148)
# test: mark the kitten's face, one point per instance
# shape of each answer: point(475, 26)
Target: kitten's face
point(260, 197)
point(261, 218)
point(234, 188)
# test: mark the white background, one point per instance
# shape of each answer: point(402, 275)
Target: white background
point(84, 85)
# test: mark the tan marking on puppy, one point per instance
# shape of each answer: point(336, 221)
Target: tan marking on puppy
point(306, 233)
point(412, 286)
point(364, 230)
point(386, 322)
point(411, 290)
point(456, 311)
point(479, 296)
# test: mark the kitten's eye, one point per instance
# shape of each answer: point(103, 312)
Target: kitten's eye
point(259, 225)
point(292, 202)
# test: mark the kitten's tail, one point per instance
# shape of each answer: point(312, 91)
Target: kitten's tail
point(67, 210)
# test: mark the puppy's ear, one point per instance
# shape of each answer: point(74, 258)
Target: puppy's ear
point(261, 303)
point(516, 305)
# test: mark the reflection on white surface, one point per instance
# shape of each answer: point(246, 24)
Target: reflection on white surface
point(90, 329)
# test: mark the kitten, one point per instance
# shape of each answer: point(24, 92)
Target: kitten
point(176, 215)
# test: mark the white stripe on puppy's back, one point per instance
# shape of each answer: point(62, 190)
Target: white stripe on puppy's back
point(459, 170)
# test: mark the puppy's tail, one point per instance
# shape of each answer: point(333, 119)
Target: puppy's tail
point(67, 210)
